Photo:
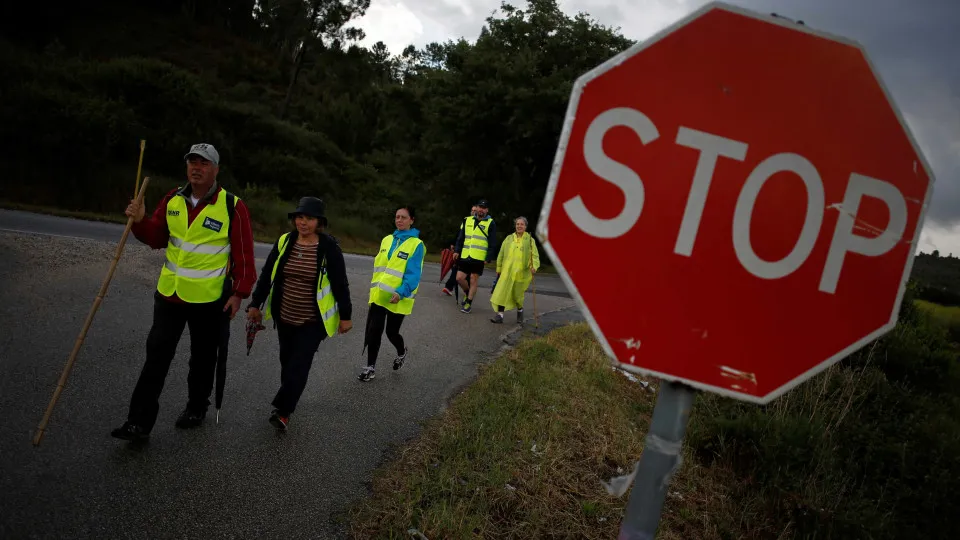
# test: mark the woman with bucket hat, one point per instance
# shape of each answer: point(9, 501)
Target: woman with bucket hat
point(303, 287)
point(393, 288)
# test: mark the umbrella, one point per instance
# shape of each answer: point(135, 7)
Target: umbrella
point(446, 262)
point(222, 360)
point(252, 329)
point(494, 286)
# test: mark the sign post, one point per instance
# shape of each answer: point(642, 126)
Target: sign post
point(660, 458)
point(762, 196)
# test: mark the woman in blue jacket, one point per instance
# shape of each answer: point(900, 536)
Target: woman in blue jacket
point(393, 289)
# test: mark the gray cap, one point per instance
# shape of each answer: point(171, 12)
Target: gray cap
point(206, 151)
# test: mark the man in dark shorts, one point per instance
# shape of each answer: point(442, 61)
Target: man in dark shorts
point(476, 246)
point(449, 286)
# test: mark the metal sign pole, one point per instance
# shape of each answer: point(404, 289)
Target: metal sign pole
point(660, 459)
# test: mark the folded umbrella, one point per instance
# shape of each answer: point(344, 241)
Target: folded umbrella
point(222, 361)
point(446, 262)
point(252, 329)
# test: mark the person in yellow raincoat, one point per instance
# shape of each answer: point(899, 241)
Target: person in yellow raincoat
point(518, 260)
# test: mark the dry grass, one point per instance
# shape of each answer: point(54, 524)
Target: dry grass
point(870, 448)
point(520, 453)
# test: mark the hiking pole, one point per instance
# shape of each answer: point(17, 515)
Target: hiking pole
point(536, 320)
point(86, 325)
point(533, 282)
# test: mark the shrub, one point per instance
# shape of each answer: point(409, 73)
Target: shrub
point(869, 448)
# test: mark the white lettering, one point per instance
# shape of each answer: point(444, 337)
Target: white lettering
point(614, 172)
point(799, 165)
point(843, 238)
point(711, 147)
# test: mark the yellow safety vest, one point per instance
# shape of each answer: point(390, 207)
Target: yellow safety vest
point(198, 255)
point(388, 275)
point(329, 309)
point(475, 241)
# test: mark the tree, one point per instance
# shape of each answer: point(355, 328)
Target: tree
point(323, 26)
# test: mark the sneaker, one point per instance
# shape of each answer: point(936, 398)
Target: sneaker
point(278, 420)
point(367, 374)
point(398, 361)
point(446, 291)
point(130, 432)
point(497, 319)
point(189, 419)
point(519, 316)
point(467, 306)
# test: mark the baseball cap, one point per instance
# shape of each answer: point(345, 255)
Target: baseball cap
point(482, 203)
point(204, 150)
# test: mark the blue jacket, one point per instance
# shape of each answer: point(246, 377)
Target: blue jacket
point(411, 277)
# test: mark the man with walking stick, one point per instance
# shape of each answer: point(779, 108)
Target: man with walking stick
point(209, 269)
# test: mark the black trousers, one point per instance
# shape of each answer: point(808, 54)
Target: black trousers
point(298, 345)
point(169, 319)
point(377, 317)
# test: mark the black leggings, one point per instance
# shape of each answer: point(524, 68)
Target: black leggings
point(376, 317)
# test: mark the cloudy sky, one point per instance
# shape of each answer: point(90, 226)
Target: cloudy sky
point(914, 44)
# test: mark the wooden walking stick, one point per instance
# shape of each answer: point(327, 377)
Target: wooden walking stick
point(136, 185)
point(536, 319)
point(533, 282)
point(86, 325)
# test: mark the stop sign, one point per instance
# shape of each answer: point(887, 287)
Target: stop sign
point(735, 203)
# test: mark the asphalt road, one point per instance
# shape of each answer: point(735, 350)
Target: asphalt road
point(238, 479)
point(26, 222)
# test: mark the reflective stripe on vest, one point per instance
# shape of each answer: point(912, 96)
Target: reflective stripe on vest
point(475, 241)
point(329, 309)
point(198, 254)
point(388, 275)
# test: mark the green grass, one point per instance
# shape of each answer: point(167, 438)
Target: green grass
point(520, 453)
point(949, 315)
point(870, 448)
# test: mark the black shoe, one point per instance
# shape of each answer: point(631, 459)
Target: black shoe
point(279, 421)
point(519, 316)
point(398, 361)
point(130, 432)
point(189, 419)
point(367, 374)
point(497, 319)
point(467, 306)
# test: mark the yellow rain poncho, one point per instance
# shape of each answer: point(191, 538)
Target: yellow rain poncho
point(517, 256)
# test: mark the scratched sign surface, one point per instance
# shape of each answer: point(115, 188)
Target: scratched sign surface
point(735, 203)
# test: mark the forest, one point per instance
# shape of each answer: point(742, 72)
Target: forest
point(294, 105)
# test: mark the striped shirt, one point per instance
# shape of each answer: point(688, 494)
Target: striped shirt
point(299, 303)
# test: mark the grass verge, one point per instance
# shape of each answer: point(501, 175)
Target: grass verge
point(520, 453)
point(870, 448)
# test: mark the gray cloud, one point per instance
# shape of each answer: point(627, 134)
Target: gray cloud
point(914, 45)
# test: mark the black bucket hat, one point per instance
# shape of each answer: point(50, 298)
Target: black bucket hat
point(310, 206)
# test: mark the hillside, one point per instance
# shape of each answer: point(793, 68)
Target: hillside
point(364, 129)
point(937, 278)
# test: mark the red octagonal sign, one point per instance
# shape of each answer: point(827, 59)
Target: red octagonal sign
point(735, 203)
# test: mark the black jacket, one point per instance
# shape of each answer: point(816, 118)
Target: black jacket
point(336, 272)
